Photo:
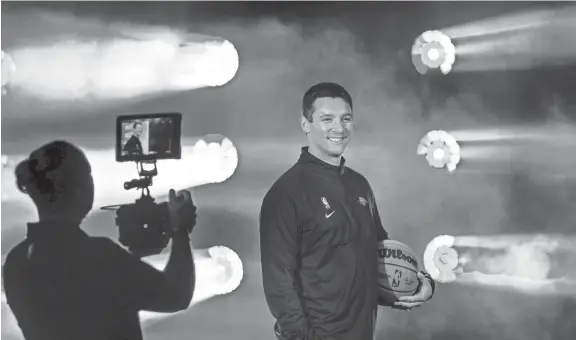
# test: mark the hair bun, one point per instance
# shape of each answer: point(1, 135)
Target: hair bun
point(33, 170)
point(24, 177)
point(50, 159)
point(51, 168)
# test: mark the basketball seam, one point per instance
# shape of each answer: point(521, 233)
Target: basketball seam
point(397, 291)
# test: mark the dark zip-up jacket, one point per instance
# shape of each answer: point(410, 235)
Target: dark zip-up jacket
point(319, 230)
point(133, 146)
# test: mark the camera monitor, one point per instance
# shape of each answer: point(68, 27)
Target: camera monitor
point(148, 137)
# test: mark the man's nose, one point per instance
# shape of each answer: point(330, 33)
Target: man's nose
point(337, 126)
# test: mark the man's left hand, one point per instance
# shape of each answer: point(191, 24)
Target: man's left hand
point(422, 295)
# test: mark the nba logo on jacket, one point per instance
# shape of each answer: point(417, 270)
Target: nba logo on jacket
point(325, 202)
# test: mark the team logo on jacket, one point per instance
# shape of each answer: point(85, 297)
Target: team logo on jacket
point(362, 201)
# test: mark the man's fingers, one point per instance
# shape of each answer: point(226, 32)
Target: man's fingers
point(408, 304)
point(172, 195)
point(412, 298)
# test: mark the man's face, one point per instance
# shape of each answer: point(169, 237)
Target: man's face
point(138, 130)
point(331, 128)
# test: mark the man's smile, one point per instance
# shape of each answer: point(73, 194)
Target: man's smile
point(337, 140)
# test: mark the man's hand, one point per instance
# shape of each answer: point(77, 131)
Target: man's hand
point(422, 295)
point(181, 211)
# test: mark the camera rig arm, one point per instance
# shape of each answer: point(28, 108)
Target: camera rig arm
point(143, 183)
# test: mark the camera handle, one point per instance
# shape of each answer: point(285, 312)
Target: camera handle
point(144, 183)
point(146, 173)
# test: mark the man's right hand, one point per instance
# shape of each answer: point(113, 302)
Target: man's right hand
point(181, 211)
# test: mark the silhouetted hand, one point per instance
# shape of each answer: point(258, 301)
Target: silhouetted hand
point(181, 211)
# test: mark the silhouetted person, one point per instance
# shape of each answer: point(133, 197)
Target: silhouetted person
point(62, 284)
point(133, 146)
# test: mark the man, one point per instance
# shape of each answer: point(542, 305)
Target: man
point(133, 146)
point(319, 229)
point(62, 284)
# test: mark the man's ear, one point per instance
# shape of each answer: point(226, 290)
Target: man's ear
point(305, 125)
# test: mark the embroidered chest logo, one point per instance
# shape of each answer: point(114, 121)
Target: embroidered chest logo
point(362, 201)
point(325, 202)
point(327, 214)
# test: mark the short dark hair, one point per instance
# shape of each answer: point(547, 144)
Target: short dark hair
point(137, 123)
point(323, 90)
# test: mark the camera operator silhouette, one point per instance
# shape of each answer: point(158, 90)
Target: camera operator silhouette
point(133, 146)
point(62, 284)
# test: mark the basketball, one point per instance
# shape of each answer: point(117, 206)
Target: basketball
point(397, 270)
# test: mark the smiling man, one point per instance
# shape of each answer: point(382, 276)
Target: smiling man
point(319, 231)
point(134, 146)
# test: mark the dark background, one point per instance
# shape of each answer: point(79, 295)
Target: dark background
point(286, 47)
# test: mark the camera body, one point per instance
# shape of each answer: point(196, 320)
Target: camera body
point(143, 226)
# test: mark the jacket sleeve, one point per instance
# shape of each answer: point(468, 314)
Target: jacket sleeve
point(130, 145)
point(16, 294)
point(279, 248)
point(381, 233)
point(143, 287)
point(431, 280)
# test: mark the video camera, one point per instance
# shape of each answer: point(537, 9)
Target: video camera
point(146, 138)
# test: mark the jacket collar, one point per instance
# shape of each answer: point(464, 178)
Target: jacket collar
point(53, 230)
point(307, 159)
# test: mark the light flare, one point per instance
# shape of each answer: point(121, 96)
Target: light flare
point(512, 41)
point(533, 264)
point(201, 163)
point(137, 61)
point(219, 271)
point(440, 149)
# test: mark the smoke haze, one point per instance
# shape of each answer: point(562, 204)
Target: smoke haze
point(259, 112)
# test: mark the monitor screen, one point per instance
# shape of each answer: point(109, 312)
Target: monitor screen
point(148, 137)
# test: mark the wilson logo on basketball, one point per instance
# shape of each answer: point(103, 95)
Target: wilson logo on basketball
point(397, 254)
